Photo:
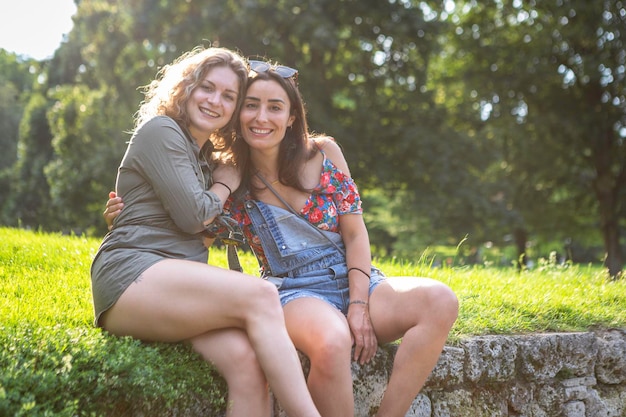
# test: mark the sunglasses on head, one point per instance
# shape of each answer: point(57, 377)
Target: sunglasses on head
point(262, 66)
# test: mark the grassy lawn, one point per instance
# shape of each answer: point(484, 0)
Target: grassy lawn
point(55, 363)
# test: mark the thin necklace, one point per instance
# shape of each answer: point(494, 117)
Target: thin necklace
point(276, 181)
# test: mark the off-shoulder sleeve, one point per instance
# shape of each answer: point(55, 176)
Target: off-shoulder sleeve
point(343, 188)
point(347, 197)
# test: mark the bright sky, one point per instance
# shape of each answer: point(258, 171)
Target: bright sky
point(34, 28)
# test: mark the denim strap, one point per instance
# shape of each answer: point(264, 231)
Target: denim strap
point(291, 209)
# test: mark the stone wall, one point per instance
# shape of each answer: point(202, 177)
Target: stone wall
point(539, 375)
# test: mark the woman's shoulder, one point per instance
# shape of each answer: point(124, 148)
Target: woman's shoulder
point(159, 129)
point(331, 150)
point(158, 122)
point(322, 141)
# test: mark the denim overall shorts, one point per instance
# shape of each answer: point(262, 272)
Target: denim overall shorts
point(310, 265)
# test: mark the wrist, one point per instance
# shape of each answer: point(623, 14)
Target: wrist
point(230, 191)
point(359, 271)
point(358, 302)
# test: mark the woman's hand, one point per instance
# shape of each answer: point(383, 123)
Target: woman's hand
point(364, 338)
point(113, 209)
point(227, 174)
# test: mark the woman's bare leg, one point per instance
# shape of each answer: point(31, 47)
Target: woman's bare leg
point(321, 332)
point(421, 311)
point(232, 354)
point(176, 300)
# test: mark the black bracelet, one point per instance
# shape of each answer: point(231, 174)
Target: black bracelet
point(358, 302)
point(227, 187)
point(361, 271)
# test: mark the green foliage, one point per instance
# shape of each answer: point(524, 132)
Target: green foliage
point(29, 190)
point(548, 90)
point(24, 140)
point(485, 119)
point(55, 363)
point(83, 168)
point(16, 82)
point(64, 371)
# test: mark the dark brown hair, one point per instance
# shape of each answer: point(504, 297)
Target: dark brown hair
point(296, 147)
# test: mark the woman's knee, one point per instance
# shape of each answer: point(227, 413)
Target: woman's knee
point(445, 304)
point(330, 350)
point(265, 300)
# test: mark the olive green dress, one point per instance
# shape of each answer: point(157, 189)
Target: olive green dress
point(163, 182)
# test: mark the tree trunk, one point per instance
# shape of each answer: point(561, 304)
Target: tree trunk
point(521, 237)
point(607, 187)
point(613, 254)
point(610, 232)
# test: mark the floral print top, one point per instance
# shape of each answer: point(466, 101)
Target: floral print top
point(335, 195)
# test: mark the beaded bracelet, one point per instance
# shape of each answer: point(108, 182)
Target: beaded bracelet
point(360, 270)
point(358, 302)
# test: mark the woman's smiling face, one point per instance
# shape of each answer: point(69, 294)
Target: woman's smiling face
point(265, 114)
point(213, 102)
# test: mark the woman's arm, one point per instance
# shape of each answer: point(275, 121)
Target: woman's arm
point(166, 159)
point(358, 255)
point(359, 263)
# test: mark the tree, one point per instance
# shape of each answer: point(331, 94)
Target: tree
point(17, 78)
point(476, 120)
point(357, 59)
point(364, 68)
point(28, 197)
point(80, 173)
point(547, 80)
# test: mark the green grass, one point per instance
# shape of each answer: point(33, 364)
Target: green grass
point(55, 363)
point(549, 298)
